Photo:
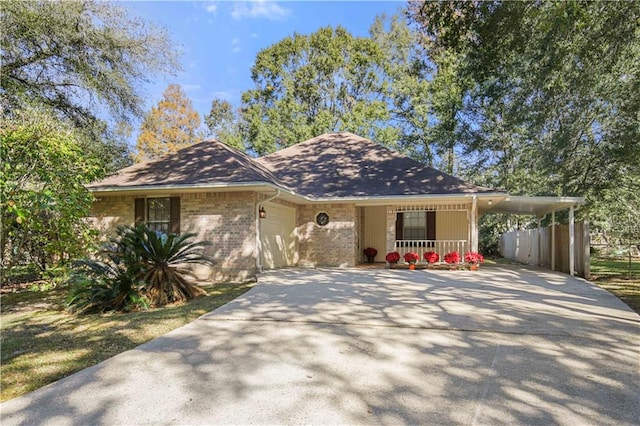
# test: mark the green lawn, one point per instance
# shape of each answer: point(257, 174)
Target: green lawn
point(614, 275)
point(42, 342)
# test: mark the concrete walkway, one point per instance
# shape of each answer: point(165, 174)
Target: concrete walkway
point(503, 345)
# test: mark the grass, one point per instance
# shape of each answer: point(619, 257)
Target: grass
point(613, 275)
point(42, 342)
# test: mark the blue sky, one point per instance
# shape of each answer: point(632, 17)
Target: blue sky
point(220, 39)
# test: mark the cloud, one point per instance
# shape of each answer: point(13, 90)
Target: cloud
point(222, 95)
point(259, 9)
point(212, 8)
point(191, 87)
point(235, 45)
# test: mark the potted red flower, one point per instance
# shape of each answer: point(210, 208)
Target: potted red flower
point(474, 259)
point(431, 257)
point(452, 258)
point(393, 258)
point(371, 253)
point(411, 258)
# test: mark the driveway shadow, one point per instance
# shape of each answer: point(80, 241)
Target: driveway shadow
point(502, 345)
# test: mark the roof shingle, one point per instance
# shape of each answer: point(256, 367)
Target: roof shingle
point(346, 165)
point(333, 165)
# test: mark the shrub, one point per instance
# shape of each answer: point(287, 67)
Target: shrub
point(393, 257)
point(473, 257)
point(370, 252)
point(431, 257)
point(141, 267)
point(453, 257)
point(411, 257)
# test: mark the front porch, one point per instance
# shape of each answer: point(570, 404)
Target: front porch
point(436, 226)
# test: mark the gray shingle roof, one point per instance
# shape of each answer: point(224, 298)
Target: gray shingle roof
point(347, 165)
point(206, 163)
point(333, 165)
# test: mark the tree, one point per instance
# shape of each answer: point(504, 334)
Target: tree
point(225, 124)
point(307, 85)
point(406, 75)
point(170, 126)
point(78, 57)
point(554, 89)
point(43, 198)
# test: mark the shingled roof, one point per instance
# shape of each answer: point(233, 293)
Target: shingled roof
point(346, 165)
point(206, 163)
point(333, 165)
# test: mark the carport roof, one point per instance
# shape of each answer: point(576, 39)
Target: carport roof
point(538, 206)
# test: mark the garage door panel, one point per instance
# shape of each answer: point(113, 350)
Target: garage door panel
point(277, 237)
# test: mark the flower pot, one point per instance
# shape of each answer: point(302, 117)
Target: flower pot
point(392, 265)
point(474, 267)
point(412, 266)
point(371, 259)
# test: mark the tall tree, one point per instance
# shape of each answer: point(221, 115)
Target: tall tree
point(85, 61)
point(308, 85)
point(406, 74)
point(73, 57)
point(170, 126)
point(224, 123)
point(555, 89)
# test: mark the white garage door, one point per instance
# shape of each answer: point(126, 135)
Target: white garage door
point(277, 237)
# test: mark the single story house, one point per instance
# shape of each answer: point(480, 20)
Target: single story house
point(317, 203)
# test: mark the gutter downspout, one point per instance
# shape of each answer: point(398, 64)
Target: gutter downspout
point(258, 229)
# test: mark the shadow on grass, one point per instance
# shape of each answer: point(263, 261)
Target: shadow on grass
point(42, 342)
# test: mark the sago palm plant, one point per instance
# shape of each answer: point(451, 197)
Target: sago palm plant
point(161, 263)
point(140, 267)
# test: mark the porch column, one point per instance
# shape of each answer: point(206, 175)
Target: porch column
point(572, 242)
point(474, 224)
point(391, 229)
point(553, 240)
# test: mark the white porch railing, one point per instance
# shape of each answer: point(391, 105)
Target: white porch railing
point(441, 247)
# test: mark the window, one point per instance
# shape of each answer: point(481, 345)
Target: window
point(159, 214)
point(415, 226)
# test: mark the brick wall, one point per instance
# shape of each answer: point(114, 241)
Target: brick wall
point(332, 245)
point(226, 219)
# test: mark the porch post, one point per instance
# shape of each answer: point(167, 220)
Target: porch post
point(572, 242)
point(391, 229)
point(553, 240)
point(539, 250)
point(474, 225)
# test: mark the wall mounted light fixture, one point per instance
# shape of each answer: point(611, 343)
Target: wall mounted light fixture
point(262, 213)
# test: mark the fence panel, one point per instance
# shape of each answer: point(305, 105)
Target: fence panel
point(522, 246)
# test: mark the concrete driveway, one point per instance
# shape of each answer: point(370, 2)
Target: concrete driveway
point(502, 345)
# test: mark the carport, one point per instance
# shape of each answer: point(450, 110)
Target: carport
point(540, 207)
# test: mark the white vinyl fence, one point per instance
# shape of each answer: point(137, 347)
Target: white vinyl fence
point(533, 247)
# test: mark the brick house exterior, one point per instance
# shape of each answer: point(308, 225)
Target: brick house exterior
point(366, 194)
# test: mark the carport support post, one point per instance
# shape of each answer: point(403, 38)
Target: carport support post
point(572, 242)
point(539, 251)
point(553, 240)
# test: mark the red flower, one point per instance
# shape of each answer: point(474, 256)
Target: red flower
point(473, 257)
point(431, 257)
point(370, 251)
point(411, 257)
point(453, 257)
point(393, 257)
